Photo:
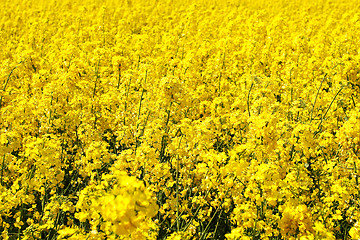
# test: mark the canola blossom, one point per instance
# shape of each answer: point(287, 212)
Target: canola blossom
point(187, 119)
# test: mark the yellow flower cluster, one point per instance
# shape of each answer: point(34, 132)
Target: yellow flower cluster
point(187, 119)
point(118, 205)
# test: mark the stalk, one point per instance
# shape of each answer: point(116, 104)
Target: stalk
point(2, 170)
point(7, 81)
point(248, 99)
point(312, 110)
point(177, 189)
point(327, 110)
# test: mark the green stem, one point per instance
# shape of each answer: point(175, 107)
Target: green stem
point(356, 176)
point(2, 170)
point(327, 110)
point(97, 77)
point(119, 77)
point(248, 98)
point(177, 190)
point(212, 218)
point(312, 111)
point(198, 208)
point(7, 81)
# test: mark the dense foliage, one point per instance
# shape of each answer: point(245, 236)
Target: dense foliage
point(183, 119)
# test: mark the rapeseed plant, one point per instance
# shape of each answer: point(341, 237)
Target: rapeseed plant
point(179, 119)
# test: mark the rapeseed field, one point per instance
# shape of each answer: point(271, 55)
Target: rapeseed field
point(179, 119)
